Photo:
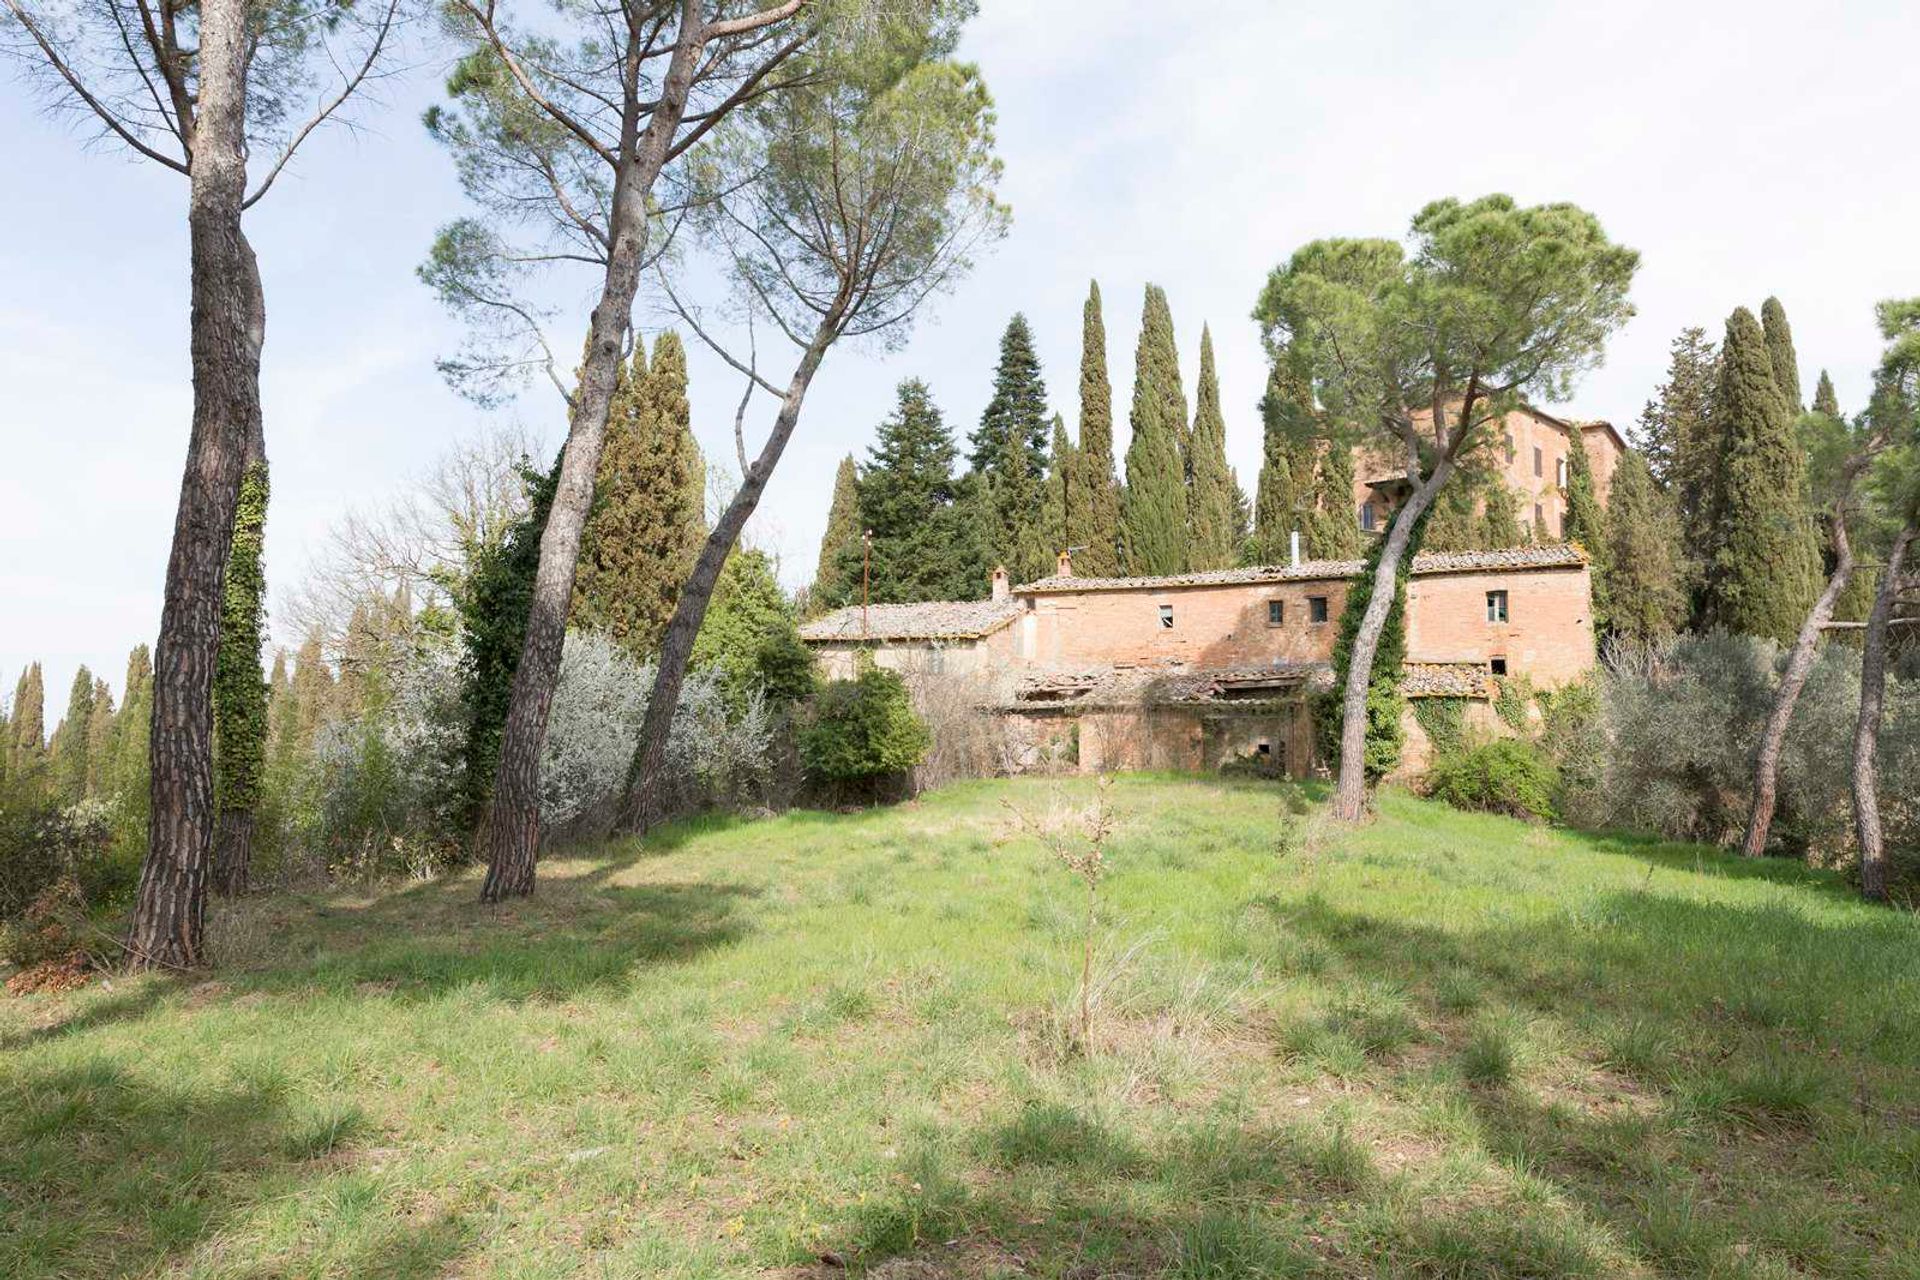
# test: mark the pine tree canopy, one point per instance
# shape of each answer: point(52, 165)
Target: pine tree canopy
point(1154, 506)
point(1764, 568)
point(1780, 353)
point(1211, 510)
point(831, 589)
point(1100, 557)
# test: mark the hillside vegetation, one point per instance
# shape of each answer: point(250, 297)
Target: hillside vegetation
point(1442, 1045)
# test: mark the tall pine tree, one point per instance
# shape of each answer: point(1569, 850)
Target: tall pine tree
point(929, 539)
point(1211, 514)
point(649, 513)
point(1763, 570)
point(1780, 353)
point(1009, 454)
point(1153, 513)
point(830, 588)
point(239, 688)
point(1646, 586)
point(1101, 556)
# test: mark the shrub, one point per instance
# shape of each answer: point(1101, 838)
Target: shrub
point(1444, 721)
point(1502, 776)
point(864, 731)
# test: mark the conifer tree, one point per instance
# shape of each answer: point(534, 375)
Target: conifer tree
point(1286, 467)
point(1153, 514)
point(129, 775)
point(99, 739)
point(928, 528)
point(1586, 525)
point(68, 756)
point(1763, 571)
point(1780, 353)
point(649, 513)
point(1210, 512)
point(1101, 557)
point(831, 589)
point(312, 689)
point(1009, 454)
point(748, 614)
point(29, 719)
point(1332, 531)
point(1242, 519)
point(1677, 437)
point(1824, 401)
point(1066, 513)
point(239, 689)
point(1647, 597)
point(1500, 517)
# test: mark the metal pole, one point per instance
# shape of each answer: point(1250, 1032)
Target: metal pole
point(866, 577)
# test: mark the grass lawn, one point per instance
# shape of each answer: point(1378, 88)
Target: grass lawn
point(1445, 1045)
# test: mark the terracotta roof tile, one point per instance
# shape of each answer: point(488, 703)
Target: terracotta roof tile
point(929, 620)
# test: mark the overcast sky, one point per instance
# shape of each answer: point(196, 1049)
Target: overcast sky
point(1743, 148)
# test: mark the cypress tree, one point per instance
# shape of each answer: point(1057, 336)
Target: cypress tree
point(1009, 453)
point(1763, 571)
point(649, 505)
point(29, 719)
point(1646, 589)
point(1500, 517)
point(1586, 525)
point(1153, 513)
point(831, 589)
point(929, 529)
point(100, 739)
point(1101, 558)
point(1286, 467)
point(1210, 511)
point(1332, 531)
point(1242, 519)
point(312, 688)
point(1066, 514)
point(1780, 353)
point(68, 756)
point(1824, 401)
point(239, 689)
point(1677, 436)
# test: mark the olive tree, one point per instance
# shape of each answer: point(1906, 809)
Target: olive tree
point(871, 194)
point(223, 93)
point(1415, 349)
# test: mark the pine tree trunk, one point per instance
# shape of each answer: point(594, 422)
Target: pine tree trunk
point(228, 328)
point(512, 829)
point(1866, 730)
point(1773, 739)
point(641, 808)
point(233, 852)
point(1350, 794)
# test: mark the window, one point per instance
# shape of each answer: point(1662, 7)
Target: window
point(1276, 612)
point(1539, 516)
point(1166, 616)
point(1316, 608)
point(1366, 516)
point(1539, 461)
point(1560, 472)
point(1497, 665)
point(1512, 452)
point(1496, 606)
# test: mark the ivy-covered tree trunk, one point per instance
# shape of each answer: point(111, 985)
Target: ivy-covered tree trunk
point(1773, 739)
point(512, 836)
point(228, 329)
point(1866, 730)
point(239, 692)
point(1350, 794)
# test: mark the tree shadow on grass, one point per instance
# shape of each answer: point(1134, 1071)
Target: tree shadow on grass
point(107, 1173)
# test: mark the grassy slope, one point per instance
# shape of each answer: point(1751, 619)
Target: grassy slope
point(1448, 1045)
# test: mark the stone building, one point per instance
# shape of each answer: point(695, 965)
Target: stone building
point(1195, 671)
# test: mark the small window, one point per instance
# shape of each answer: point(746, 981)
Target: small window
point(1560, 472)
point(1264, 748)
point(1276, 613)
point(1497, 607)
point(1166, 616)
point(1366, 516)
point(1316, 608)
point(1539, 516)
point(1512, 452)
point(1498, 666)
point(1539, 461)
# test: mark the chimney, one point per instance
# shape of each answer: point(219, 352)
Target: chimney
point(1293, 548)
point(1063, 567)
point(1002, 588)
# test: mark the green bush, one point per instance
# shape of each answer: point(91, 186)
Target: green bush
point(864, 730)
point(1502, 776)
point(1444, 721)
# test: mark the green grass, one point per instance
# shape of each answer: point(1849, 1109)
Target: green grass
point(1444, 1045)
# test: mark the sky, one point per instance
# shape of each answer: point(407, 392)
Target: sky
point(1745, 149)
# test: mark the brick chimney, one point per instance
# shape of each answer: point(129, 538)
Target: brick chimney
point(1002, 585)
point(1063, 567)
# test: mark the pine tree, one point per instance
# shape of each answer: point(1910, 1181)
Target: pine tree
point(1386, 704)
point(1824, 401)
point(1647, 597)
point(831, 589)
point(1677, 436)
point(1009, 453)
point(929, 529)
point(1153, 514)
point(1586, 525)
point(1210, 509)
point(1332, 531)
point(1066, 514)
point(1286, 468)
point(649, 514)
point(68, 755)
point(239, 689)
point(1101, 556)
point(1763, 571)
point(1780, 353)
